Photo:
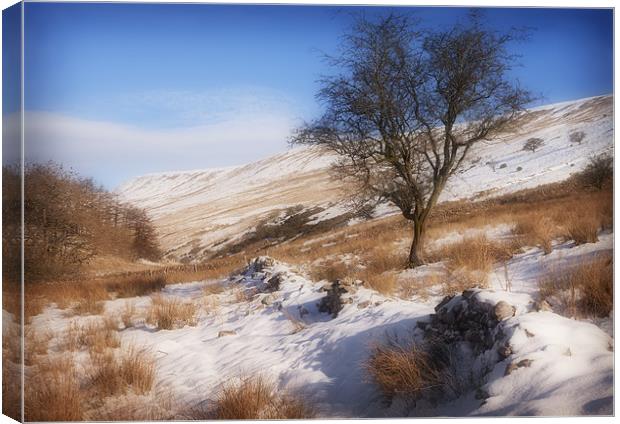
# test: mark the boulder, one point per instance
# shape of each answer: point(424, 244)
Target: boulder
point(224, 333)
point(503, 310)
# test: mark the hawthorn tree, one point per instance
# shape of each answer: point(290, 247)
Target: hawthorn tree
point(406, 106)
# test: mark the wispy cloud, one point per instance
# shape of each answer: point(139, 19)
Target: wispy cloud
point(179, 131)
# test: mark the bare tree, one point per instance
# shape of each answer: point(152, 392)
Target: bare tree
point(408, 105)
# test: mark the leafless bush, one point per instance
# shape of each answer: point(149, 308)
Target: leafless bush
point(598, 171)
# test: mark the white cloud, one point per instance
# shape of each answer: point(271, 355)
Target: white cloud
point(112, 152)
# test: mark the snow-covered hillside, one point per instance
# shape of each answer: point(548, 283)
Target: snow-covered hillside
point(196, 210)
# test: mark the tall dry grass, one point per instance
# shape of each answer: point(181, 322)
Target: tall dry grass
point(402, 369)
point(583, 291)
point(254, 398)
point(53, 392)
point(167, 313)
point(113, 373)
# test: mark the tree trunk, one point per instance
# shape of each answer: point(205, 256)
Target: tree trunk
point(415, 254)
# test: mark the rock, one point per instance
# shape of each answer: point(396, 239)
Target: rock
point(528, 334)
point(503, 310)
point(262, 262)
point(267, 300)
point(525, 363)
point(422, 324)
point(443, 303)
point(542, 306)
point(467, 294)
point(481, 394)
point(303, 311)
point(273, 284)
point(505, 351)
point(224, 333)
point(332, 302)
point(363, 305)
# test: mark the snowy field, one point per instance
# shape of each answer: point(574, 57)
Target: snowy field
point(282, 335)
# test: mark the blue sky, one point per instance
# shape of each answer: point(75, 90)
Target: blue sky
point(119, 90)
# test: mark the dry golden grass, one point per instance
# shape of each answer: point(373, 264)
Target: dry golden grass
point(167, 313)
point(583, 291)
point(330, 271)
point(96, 336)
point(112, 374)
point(401, 369)
point(469, 261)
point(135, 285)
point(473, 253)
point(53, 393)
point(35, 343)
point(157, 407)
point(137, 369)
point(582, 228)
point(89, 301)
point(215, 288)
point(127, 314)
point(254, 398)
point(419, 285)
point(11, 390)
point(536, 231)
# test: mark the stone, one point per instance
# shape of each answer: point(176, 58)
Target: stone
point(267, 300)
point(363, 305)
point(481, 394)
point(503, 310)
point(505, 351)
point(529, 334)
point(273, 284)
point(467, 294)
point(224, 333)
point(332, 303)
point(443, 303)
point(524, 363)
point(542, 306)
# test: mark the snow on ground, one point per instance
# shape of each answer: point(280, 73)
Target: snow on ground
point(284, 336)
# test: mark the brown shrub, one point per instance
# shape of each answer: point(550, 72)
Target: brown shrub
point(585, 290)
point(401, 369)
point(167, 313)
point(52, 393)
point(255, 398)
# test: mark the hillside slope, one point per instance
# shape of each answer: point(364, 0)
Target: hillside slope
point(199, 211)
